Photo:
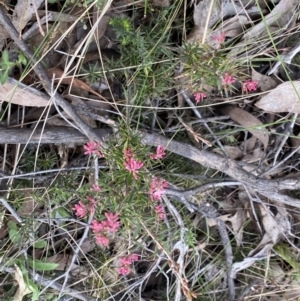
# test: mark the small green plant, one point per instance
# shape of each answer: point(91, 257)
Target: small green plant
point(93, 73)
point(6, 65)
point(147, 61)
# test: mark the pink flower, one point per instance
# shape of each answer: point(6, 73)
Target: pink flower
point(132, 166)
point(92, 203)
point(160, 153)
point(112, 224)
point(80, 209)
point(156, 189)
point(100, 229)
point(128, 154)
point(227, 80)
point(125, 261)
point(124, 270)
point(128, 259)
point(93, 148)
point(249, 85)
point(97, 227)
point(160, 211)
point(199, 96)
point(95, 188)
point(219, 39)
point(134, 257)
point(100, 239)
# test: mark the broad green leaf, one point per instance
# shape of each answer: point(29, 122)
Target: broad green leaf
point(5, 57)
point(22, 59)
point(35, 291)
point(40, 244)
point(4, 77)
point(12, 225)
point(13, 232)
point(41, 265)
point(63, 212)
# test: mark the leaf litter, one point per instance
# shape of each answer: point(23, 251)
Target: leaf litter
point(260, 134)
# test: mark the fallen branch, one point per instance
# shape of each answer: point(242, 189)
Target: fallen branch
point(57, 135)
point(234, 169)
point(268, 188)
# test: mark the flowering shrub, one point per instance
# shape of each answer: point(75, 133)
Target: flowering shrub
point(227, 80)
point(102, 229)
point(93, 148)
point(125, 262)
point(199, 96)
point(123, 160)
point(219, 39)
point(156, 189)
point(159, 154)
point(249, 85)
point(130, 164)
point(81, 210)
point(160, 211)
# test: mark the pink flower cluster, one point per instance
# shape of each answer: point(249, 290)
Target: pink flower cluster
point(130, 164)
point(219, 39)
point(93, 148)
point(199, 96)
point(227, 80)
point(95, 188)
point(125, 262)
point(159, 154)
point(101, 229)
point(156, 190)
point(81, 209)
point(159, 209)
point(249, 85)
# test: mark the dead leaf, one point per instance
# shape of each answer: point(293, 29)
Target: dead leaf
point(236, 221)
point(23, 12)
point(62, 260)
point(278, 13)
point(284, 98)
point(251, 123)
point(249, 144)
point(69, 80)
point(257, 155)
point(234, 152)
point(23, 288)
point(17, 93)
point(160, 3)
point(201, 11)
point(101, 24)
point(265, 83)
point(77, 101)
point(274, 226)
